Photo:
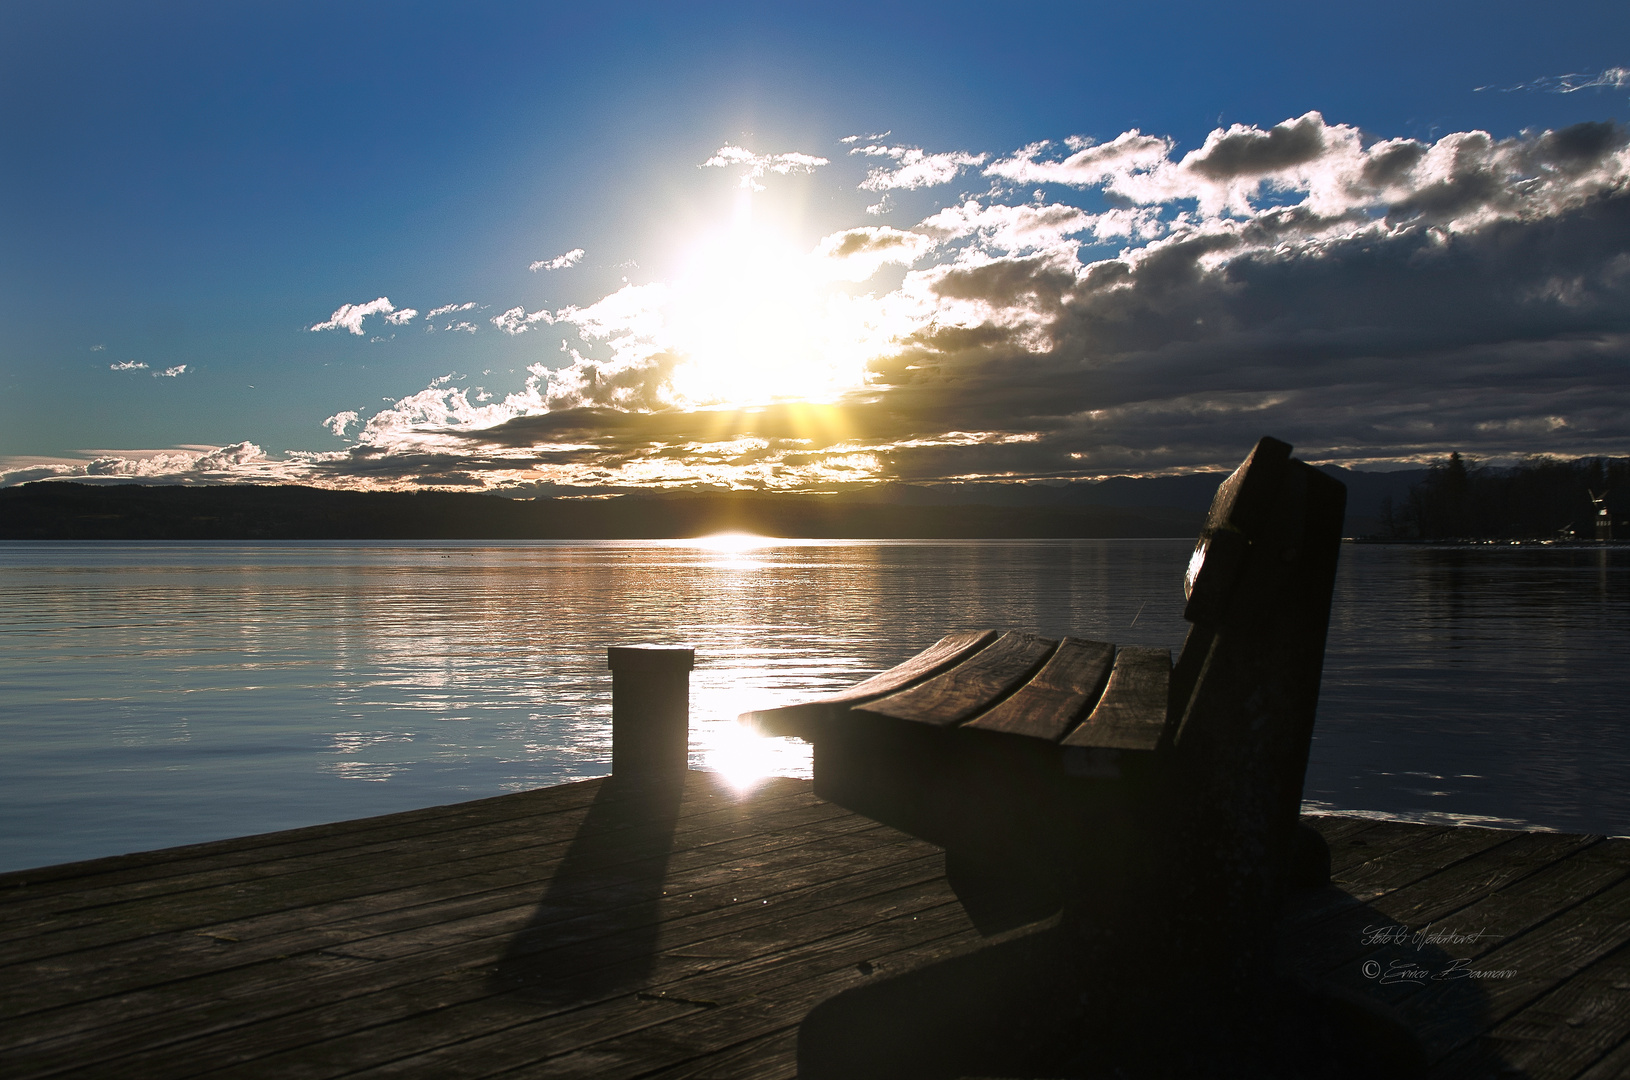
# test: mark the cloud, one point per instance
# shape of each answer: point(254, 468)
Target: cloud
point(1151, 308)
point(243, 461)
point(1128, 153)
point(171, 372)
point(127, 365)
point(912, 168)
point(446, 308)
point(401, 316)
point(754, 166)
point(1012, 229)
point(1613, 78)
point(340, 421)
point(98, 348)
point(517, 321)
point(857, 254)
point(560, 262)
point(462, 326)
point(350, 316)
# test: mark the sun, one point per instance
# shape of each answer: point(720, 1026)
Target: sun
point(757, 318)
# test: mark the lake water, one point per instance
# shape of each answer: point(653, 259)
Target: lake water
point(154, 694)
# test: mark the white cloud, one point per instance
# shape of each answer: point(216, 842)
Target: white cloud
point(340, 421)
point(228, 458)
point(754, 166)
point(242, 461)
point(1091, 163)
point(560, 262)
point(171, 372)
point(913, 168)
point(350, 316)
point(1012, 229)
point(517, 321)
point(462, 326)
point(401, 316)
point(445, 308)
point(1613, 78)
point(127, 365)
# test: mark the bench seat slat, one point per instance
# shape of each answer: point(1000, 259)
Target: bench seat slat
point(970, 687)
point(796, 720)
point(1065, 689)
point(1132, 713)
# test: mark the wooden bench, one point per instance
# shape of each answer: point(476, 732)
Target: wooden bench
point(1105, 780)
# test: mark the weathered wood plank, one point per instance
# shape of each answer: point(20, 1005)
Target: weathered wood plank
point(1613, 1065)
point(971, 687)
point(1340, 939)
point(811, 877)
point(345, 999)
point(29, 914)
point(1060, 693)
point(1412, 861)
point(811, 855)
point(796, 720)
point(760, 910)
point(1132, 713)
point(772, 1057)
point(1066, 687)
point(298, 997)
point(374, 868)
point(1563, 1033)
point(1339, 831)
point(1541, 959)
point(354, 1033)
point(150, 872)
point(758, 998)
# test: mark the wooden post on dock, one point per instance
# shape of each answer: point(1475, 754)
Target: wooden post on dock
point(650, 710)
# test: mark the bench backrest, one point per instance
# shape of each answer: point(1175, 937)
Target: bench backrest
point(1245, 687)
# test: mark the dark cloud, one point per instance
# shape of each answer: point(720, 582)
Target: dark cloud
point(1398, 342)
point(1246, 151)
point(1392, 163)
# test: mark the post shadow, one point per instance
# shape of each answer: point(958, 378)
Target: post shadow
point(596, 928)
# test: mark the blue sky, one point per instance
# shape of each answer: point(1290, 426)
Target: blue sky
point(190, 188)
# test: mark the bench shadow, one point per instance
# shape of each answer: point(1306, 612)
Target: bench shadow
point(1051, 1001)
point(595, 929)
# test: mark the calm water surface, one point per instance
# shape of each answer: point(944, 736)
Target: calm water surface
point(162, 693)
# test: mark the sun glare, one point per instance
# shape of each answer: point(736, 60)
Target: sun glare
point(759, 319)
point(744, 758)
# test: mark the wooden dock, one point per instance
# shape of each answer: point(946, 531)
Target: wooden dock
point(598, 930)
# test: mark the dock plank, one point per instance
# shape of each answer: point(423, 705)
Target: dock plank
point(193, 1005)
point(713, 916)
point(550, 933)
point(1568, 1030)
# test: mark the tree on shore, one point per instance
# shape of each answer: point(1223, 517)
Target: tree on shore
point(1539, 498)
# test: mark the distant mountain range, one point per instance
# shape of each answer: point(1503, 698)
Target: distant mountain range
point(1116, 507)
